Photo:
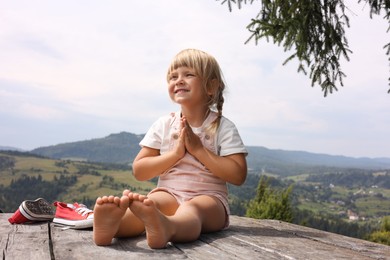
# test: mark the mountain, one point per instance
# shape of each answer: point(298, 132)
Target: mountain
point(124, 146)
point(115, 148)
point(9, 148)
point(290, 162)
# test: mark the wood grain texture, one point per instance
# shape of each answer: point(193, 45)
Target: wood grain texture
point(245, 239)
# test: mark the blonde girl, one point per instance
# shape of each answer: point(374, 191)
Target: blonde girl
point(194, 153)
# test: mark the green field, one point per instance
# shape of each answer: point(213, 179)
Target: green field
point(93, 180)
point(369, 203)
point(97, 179)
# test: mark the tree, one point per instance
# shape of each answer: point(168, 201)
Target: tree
point(383, 235)
point(270, 203)
point(315, 29)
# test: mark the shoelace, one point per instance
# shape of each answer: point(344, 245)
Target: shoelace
point(83, 210)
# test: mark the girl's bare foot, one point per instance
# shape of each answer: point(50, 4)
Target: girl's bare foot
point(158, 228)
point(126, 192)
point(108, 212)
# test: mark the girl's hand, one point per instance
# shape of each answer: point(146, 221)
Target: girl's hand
point(180, 148)
point(192, 141)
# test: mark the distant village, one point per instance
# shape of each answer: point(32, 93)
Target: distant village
point(351, 215)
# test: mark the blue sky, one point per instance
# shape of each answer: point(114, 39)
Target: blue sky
point(78, 70)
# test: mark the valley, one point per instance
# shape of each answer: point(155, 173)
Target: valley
point(349, 196)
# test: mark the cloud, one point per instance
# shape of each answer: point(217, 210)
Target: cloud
point(77, 70)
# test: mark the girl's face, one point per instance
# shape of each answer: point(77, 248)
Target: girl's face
point(185, 87)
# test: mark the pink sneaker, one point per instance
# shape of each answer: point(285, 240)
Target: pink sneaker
point(75, 215)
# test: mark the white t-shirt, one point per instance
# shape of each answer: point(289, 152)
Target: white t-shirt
point(189, 178)
point(227, 140)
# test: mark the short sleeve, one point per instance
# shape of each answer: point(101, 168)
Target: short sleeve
point(229, 140)
point(154, 136)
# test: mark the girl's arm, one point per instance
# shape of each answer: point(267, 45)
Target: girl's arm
point(231, 168)
point(149, 163)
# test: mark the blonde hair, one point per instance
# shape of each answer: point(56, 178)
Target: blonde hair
point(207, 68)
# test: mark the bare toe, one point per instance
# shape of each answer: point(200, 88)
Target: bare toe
point(157, 227)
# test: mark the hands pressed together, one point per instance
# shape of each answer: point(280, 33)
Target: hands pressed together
point(150, 163)
point(188, 140)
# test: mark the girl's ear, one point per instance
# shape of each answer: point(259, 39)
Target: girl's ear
point(214, 85)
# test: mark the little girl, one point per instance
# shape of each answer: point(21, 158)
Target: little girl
point(194, 152)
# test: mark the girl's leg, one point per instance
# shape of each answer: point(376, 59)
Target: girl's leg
point(131, 225)
point(201, 214)
point(211, 212)
point(108, 212)
point(113, 218)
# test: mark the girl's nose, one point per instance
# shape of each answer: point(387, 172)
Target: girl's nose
point(179, 81)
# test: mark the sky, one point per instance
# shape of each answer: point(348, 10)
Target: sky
point(78, 70)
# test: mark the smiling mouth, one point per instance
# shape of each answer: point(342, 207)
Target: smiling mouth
point(181, 91)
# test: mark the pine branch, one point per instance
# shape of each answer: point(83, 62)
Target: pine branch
point(314, 30)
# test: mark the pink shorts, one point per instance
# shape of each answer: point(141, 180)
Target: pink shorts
point(182, 196)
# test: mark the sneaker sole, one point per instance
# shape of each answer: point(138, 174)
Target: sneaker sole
point(75, 224)
point(39, 210)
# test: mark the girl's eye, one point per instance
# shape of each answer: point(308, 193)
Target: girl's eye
point(172, 77)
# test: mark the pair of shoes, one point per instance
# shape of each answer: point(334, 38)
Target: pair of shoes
point(32, 210)
point(75, 215)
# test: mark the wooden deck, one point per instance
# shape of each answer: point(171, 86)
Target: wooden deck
point(245, 239)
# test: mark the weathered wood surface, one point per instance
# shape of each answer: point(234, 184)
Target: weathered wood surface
point(245, 239)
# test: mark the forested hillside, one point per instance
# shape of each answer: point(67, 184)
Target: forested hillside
point(123, 147)
point(324, 200)
point(116, 148)
point(339, 194)
point(24, 176)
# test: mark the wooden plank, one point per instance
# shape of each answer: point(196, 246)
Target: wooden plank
point(306, 242)
point(367, 248)
point(78, 244)
point(216, 246)
point(245, 239)
point(227, 242)
point(201, 250)
point(287, 245)
point(28, 241)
